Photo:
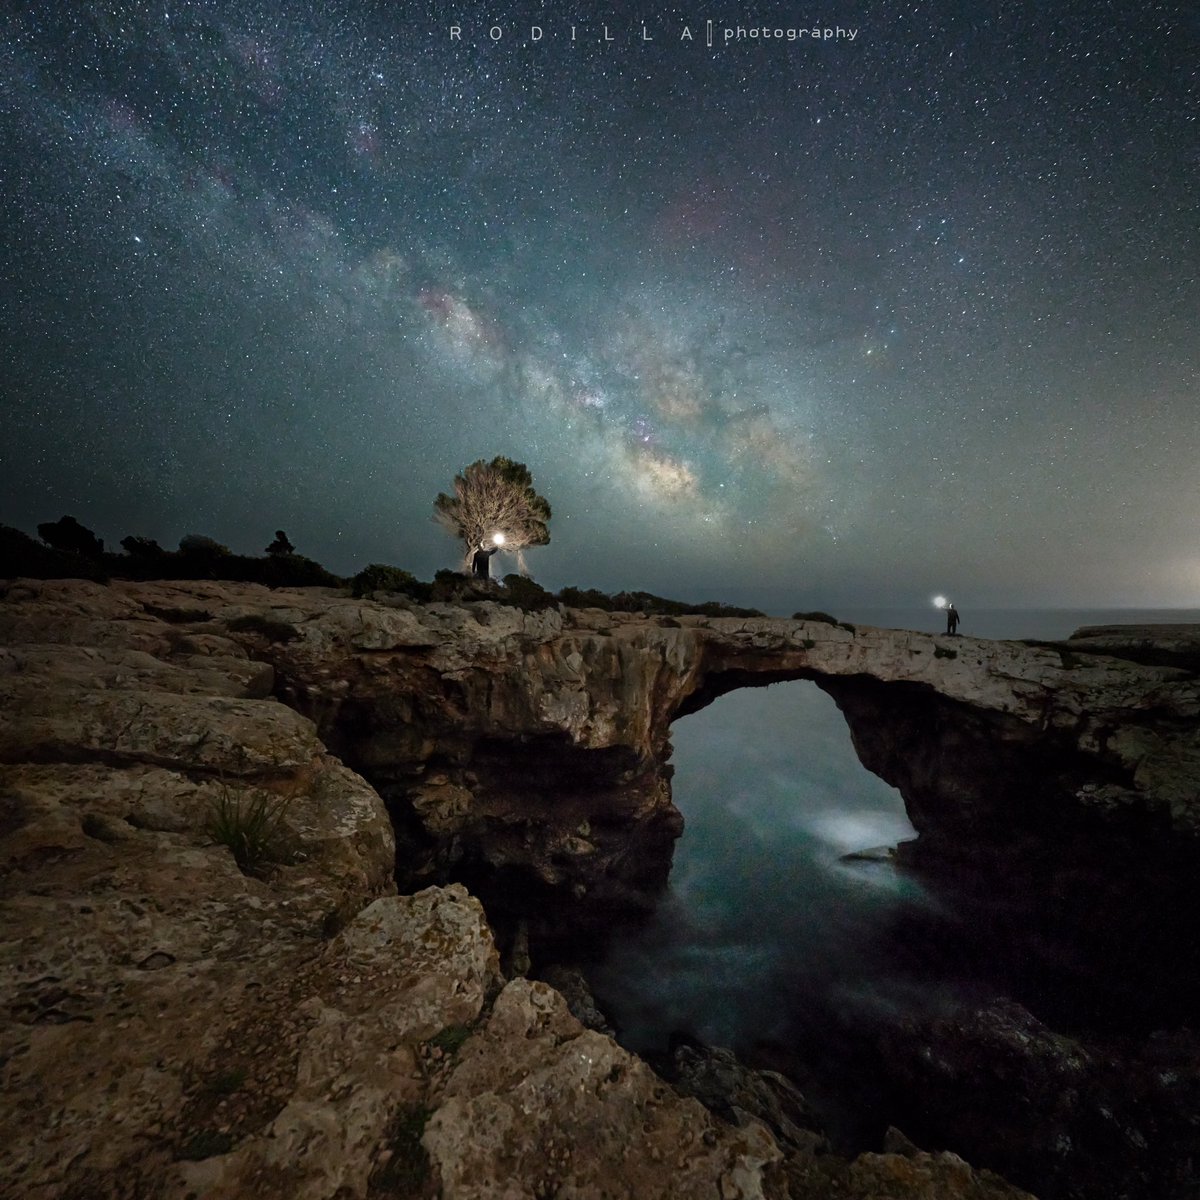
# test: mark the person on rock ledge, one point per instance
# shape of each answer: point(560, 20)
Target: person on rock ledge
point(481, 561)
point(951, 619)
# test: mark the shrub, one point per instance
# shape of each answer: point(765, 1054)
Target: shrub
point(197, 543)
point(453, 586)
point(942, 652)
point(292, 570)
point(522, 592)
point(378, 577)
point(20, 555)
point(823, 617)
point(713, 608)
point(574, 597)
point(142, 547)
point(67, 534)
point(647, 602)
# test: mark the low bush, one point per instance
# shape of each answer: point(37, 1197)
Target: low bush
point(379, 577)
point(21, 555)
point(522, 592)
point(648, 602)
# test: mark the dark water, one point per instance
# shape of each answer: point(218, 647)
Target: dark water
point(766, 935)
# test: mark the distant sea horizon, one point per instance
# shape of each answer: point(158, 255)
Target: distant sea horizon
point(1012, 622)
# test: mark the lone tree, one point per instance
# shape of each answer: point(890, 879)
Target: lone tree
point(67, 534)
point(494, 504)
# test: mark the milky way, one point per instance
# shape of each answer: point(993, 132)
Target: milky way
point(850, 319)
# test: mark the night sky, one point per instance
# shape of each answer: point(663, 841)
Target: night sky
point(848, 320)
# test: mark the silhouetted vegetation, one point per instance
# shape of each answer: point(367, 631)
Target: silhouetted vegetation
point(198, 557)
point(142, 547)
point(21, 555)
point(379, 577)
point(651, 604)
point(201, 546)
point(453, 586)
point(290, 570)
point(67, 534)
point(522, 592)
point(823, 617)
point(203, 557)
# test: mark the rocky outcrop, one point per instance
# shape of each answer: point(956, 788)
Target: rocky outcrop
point(527, 753)
point(209, 986)
point(1085, 1121)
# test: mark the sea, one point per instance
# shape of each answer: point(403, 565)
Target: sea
point(764, 919)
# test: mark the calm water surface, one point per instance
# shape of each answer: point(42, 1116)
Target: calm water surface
point(763, 918)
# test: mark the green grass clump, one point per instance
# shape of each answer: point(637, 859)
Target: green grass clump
point(248, 824)
point(823, 617)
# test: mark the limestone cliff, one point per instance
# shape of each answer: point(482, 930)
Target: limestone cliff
point(185, 1018)
point(528, 752)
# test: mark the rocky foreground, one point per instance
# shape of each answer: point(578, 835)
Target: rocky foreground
point(179, 1023)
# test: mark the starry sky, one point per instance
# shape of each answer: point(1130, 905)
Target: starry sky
point(798, 321)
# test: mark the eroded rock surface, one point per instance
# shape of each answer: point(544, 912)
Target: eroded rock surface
point(1082, 1120)
point(527, 753)
point(182, 1022)
point(132, 940)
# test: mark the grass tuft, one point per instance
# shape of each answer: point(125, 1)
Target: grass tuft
point(248, 824)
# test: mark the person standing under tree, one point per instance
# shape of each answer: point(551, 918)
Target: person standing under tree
point(951, 619)
point(481, 561)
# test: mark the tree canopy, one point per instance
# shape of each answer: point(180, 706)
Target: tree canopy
point(494, 498)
